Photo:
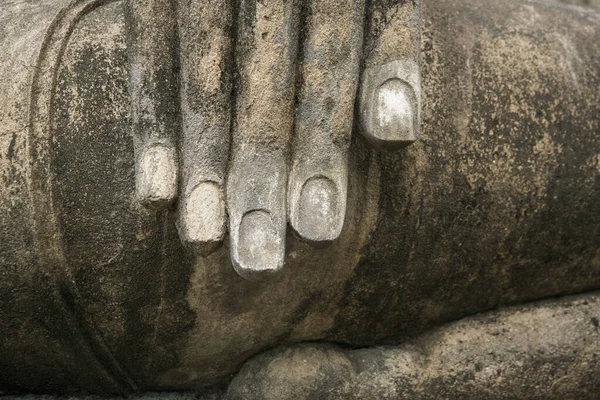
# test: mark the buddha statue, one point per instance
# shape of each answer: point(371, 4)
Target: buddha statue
point(267, 199)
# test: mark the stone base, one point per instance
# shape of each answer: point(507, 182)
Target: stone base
point(548, 349)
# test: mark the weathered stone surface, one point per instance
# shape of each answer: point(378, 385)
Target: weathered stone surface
point(549, 350)
point(215, 395)
point(583, 3)
point(495, 205)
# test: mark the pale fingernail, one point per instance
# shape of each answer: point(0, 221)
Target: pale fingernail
point(318, 216)
point(390, 104)
point(396, 112)
point(261, 247)
point(202, 218)
point(156, 176)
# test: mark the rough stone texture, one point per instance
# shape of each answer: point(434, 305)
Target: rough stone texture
point(548, 350)
point(583, 3)
point(329, 77)
point(265, 55)
point(496, 205)
point(152, 38)
point(214, 395)
point(205, 47)
point(544, 351)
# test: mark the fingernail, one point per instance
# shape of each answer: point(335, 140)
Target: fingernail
point(261, 247)
point(156, 177)
point(318, 214)
point(396, 112)
point(202, 218)
point(390, 104)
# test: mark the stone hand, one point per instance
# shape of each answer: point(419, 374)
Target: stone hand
point(286, 97)
point(267, 122)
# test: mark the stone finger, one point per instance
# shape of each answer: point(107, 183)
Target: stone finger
point(390, 93)
point(266, 52)
point(151, 26)
point(329, 79)
point(205, 91)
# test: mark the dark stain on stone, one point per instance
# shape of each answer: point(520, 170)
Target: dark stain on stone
point(11, 147)
point(461, 236)
point(133, 280)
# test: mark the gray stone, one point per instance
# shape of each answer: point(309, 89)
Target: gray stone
point(152, 37)
point(549, 350)
point(267, 37)
point(391, 104)
point(495, 205)
point(205, 53)
point(329, 73)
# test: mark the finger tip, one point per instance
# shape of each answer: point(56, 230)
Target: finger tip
point(390, 115)
point(260, 249)
point(156, 176)
point(201, 222)
point(394, 124)
point(319, 212)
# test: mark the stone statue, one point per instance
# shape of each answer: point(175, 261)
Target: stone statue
point(137, 136)
point(266, 115)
